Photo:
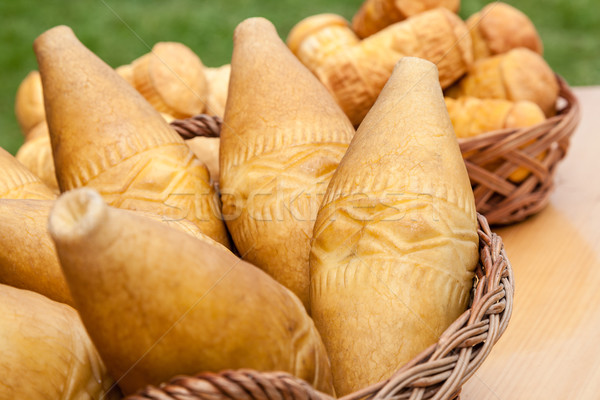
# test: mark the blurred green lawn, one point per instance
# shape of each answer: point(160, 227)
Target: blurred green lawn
point(120, 31)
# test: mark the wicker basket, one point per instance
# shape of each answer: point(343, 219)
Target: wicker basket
point(437, 373)
point(496, 197)
point(200, 125)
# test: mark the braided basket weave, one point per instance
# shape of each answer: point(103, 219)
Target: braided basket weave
point(496, 196)
point(437, 373)
point(201, 125)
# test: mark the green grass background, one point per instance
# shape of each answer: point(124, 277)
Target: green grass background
point(120, 31)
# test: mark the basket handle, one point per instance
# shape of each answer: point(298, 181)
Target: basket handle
point(201, 125)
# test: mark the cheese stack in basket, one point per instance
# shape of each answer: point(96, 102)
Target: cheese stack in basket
point(358, 248)
point(496, 54)
point(156, 301)
point(355, 73)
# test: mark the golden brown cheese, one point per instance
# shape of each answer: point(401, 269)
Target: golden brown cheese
point(374, 15)
point(356, 73)
point(17, 182)
point(395, 241)
point(46, 352)
point(106, 136)
point(282, 138)
point(159, 303)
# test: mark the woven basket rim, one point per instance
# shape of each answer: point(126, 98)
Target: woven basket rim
point(437, 373)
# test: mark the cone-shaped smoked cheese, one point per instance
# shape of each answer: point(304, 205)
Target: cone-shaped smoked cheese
point(126, 72)
point(395, 242)
point(207, 151)
point(355, 74)
point(282, 138)
point(472, 116)
point(27, 255)
point(318, 37)
point(17, 182)
point(159, 303)
point(46, 352)
point(374, 15)
point(106, 136)
point(520, 74)
point(28, 258)
point(36, 155)
point(499, 28)
point(171, 77)
point(218, 86)
point(29, 103)
point(182, 225)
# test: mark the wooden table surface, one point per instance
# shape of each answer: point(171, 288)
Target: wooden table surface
point(551, 348)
